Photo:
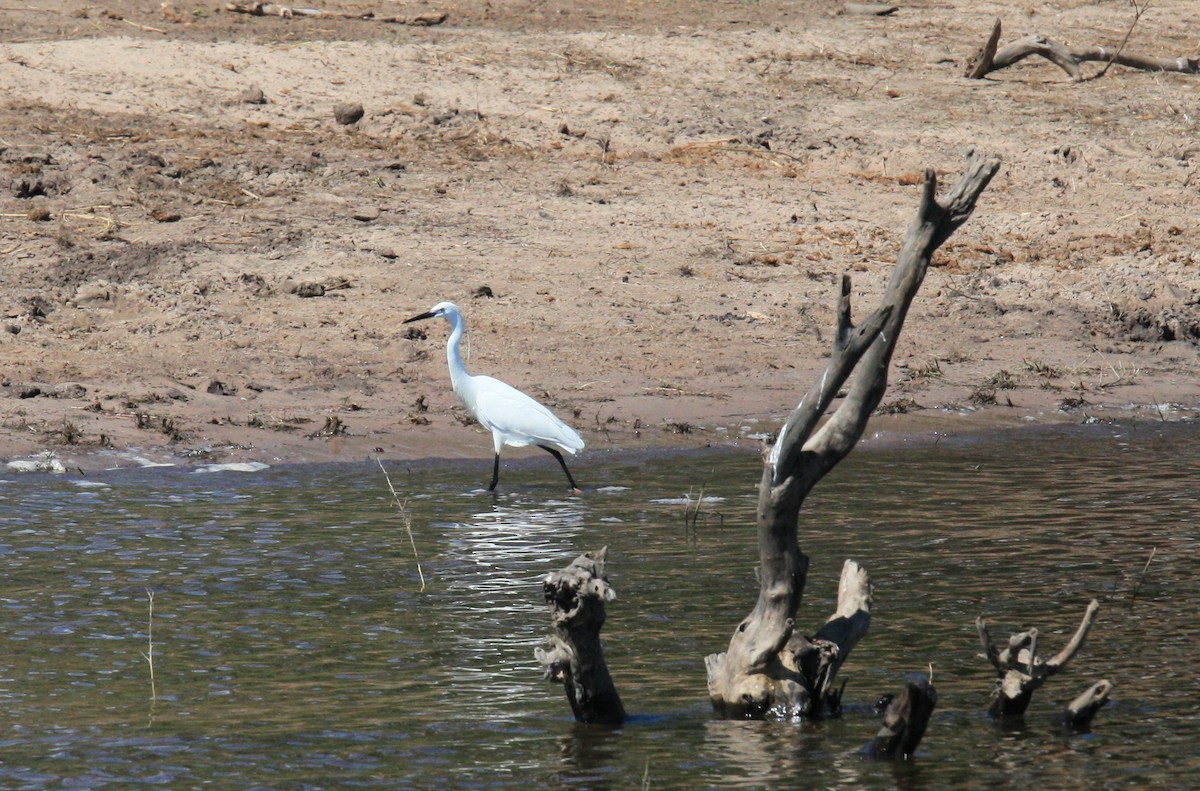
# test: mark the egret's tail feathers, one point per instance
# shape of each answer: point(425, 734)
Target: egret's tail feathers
point(575, 443)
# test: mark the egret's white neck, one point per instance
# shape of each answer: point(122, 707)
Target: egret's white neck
point(458, 371)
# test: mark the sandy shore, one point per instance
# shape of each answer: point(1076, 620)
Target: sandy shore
point(641, 209)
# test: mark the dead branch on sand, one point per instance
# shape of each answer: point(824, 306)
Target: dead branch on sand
point(287, 12)
point(989, 58)
point(869, 9)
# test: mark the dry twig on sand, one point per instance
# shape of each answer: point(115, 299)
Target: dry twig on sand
point(989, 59)
point(287, 12)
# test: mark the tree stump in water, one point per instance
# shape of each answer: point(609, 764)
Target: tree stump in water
point(904, 722)
point(768, 667)
point(1082, 709)
point(577, 596)
point(1019, 669)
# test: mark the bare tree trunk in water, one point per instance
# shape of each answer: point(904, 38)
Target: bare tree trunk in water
point(768, 667)
point(576, 596)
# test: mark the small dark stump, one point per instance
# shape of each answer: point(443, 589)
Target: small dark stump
point(1080, 711)
point(904, 722)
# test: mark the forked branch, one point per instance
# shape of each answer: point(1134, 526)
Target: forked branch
point(1020, 671)
point(850, 344)
point(769, 666)
point(935, 222)
point(1069, 59)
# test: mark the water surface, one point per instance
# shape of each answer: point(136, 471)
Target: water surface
point(293, 647)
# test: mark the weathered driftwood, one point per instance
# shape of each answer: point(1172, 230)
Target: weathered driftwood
point(768, 667)
point(576, 596)
point(1069, 59)
point(870, 9)
point(904, 722)
point(981, 62)
point(1083, 708)
point(1019, 669)
point(287, 12)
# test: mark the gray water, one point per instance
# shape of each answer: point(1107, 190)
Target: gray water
point(294, 649)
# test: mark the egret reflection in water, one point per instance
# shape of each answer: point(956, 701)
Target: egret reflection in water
point(517, 540)
point(493, 564)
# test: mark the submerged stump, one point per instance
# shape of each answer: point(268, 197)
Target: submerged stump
point(904, 722)
point(576, 596)
point(1020, 671)
point(1083, 708)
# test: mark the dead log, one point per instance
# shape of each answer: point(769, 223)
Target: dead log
point(576, 596)
point(904, 722)
point(1083, 708)
point(1020, 671)
point(768, 667)
point(981, 63)
point(288, 12)
point(870, 9)
point(1069, 59)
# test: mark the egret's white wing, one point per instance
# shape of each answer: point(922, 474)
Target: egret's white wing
point(518, 418)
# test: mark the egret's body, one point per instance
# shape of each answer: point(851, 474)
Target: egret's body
point(513, 417)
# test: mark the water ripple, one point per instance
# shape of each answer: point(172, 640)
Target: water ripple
point(294, 647)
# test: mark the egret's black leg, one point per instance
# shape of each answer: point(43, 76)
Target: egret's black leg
point(495, 474)
point(562, 463)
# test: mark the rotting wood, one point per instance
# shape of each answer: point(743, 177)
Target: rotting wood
point(1020, 671)
point(288, 12)
point(769, 667)
point(981, 63)
point(1069, 59)
point(904, 722)
point(1083, 708)
point(577, 596)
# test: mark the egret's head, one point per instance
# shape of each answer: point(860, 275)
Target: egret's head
point(446, 310)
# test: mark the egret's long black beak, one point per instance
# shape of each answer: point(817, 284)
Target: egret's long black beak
point(426, 315)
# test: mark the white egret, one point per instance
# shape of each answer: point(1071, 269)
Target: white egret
point(513, 417)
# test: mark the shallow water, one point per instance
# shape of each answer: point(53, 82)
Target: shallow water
point(293, 647)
